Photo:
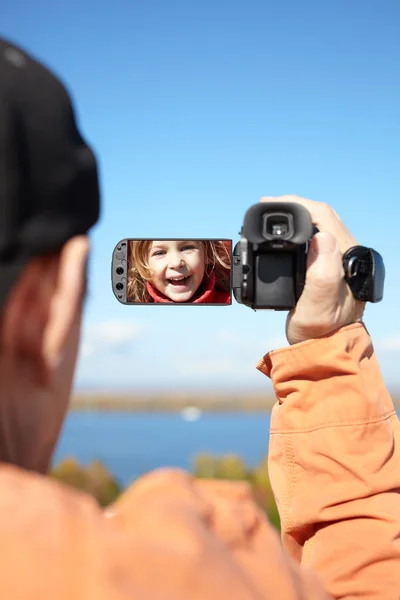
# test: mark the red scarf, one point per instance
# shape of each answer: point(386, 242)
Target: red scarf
point(205, 294)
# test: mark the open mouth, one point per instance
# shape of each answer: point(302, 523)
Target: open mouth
point(179, 281)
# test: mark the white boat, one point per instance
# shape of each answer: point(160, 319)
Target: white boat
point(191, 413)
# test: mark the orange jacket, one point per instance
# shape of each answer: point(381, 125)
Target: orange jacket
point(335, 468)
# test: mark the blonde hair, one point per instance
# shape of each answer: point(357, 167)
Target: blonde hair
point(217, 258)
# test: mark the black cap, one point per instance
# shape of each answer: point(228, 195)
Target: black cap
point(49, 190)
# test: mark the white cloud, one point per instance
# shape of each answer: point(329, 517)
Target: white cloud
point(274, 342)
point(227, 335)
point(263, 343)
point(390, 343)
point(211, 367)
point(123, 353)
point(112, 336)
point(234, 341)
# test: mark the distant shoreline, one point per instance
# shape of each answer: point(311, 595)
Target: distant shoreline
point(171, 403)
point(164, 403)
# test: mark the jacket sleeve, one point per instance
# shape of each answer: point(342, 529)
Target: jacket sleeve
point(334, 461)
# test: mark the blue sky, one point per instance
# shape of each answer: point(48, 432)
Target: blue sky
point(196, 110)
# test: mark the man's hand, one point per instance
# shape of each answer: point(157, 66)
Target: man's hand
point(326, 303)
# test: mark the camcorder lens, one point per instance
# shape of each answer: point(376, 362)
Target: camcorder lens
point(278, 226)
point(279, 229)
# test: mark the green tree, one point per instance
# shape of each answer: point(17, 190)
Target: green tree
point(263, 492)
point(101, 484)
point(94, 479)
point(71, 473)
point(205, 466)
point(232, 467)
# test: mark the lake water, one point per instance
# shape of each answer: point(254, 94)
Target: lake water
point(130, 444)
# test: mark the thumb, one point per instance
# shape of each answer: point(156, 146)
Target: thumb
point(324, 275)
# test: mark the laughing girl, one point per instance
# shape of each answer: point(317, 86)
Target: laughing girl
point(179, 271)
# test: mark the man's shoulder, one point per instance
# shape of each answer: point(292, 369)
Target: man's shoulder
point(29, 497)
point(56, 542)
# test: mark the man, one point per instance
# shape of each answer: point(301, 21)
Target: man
point(334, 451)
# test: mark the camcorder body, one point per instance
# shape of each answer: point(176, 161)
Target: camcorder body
point(269, 261)
point(265, 271)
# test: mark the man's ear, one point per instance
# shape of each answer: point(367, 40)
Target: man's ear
point(67, 301)
point(44, 308)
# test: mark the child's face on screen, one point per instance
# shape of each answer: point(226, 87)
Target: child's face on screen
point(177, 268)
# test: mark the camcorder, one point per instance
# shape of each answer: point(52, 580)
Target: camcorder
point(265, 271)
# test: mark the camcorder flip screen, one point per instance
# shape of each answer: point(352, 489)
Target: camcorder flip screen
point(173, 271)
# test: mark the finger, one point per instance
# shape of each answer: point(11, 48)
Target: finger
point(311, 205)
point(323, 216)
point(321, 213)
point(324, 277)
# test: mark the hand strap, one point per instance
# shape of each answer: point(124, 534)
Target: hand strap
point(364, 272)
